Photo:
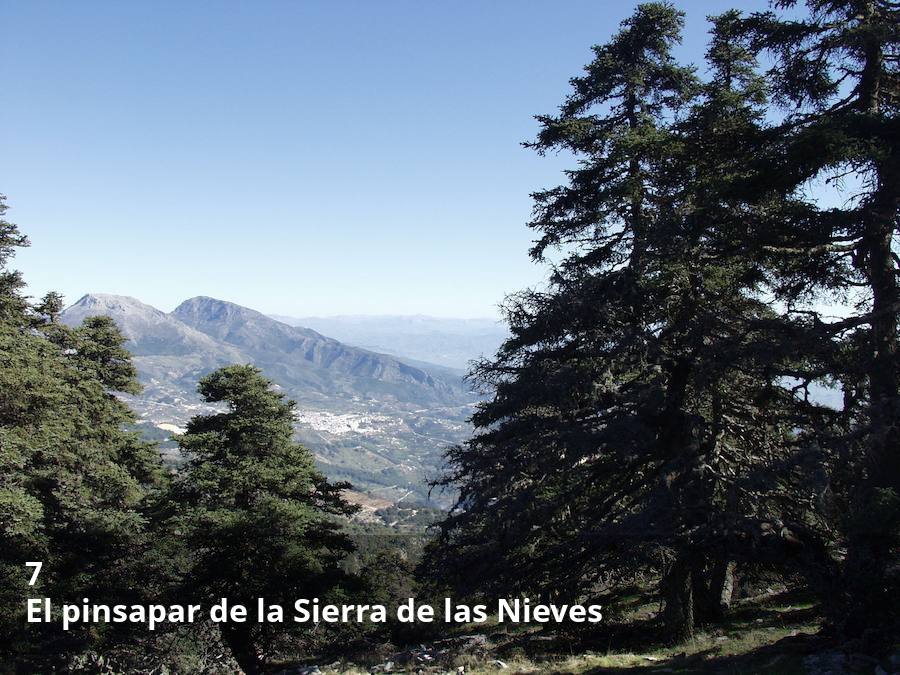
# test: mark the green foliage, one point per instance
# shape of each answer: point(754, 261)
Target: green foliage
point(257, 517)
point(12, 304)
point(73, 482)
point(837, 76)
point(640, 415)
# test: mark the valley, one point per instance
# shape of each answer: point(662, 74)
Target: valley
point(369, 418)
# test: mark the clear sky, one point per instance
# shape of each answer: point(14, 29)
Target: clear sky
point(301, 158)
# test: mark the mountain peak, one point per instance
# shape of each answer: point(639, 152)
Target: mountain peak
point(97, 301)
point(148, 330)
point(220, 318)
point(203, 306)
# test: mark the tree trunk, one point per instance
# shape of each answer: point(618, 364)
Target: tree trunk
point(868, 561)
point(723, 576)
point(721, 588)
point(884, 452)
point(237, 637)
point(871, 538)
point(678, 614)
point(870, 544)
point(712, 589)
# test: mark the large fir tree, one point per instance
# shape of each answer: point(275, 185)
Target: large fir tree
point(837, 73)
point(638, 419)
point(258, 518)
point(74, 480)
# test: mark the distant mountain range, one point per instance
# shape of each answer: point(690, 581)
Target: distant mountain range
point(369, 417)
point(453, 343)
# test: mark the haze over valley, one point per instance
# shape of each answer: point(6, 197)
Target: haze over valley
point(447, 342)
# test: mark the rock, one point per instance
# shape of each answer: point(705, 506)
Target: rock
point(500, 664)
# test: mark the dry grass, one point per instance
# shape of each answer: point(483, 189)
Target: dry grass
point(771, 634)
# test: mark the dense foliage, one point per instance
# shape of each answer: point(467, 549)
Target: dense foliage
point(254, 511)
point(656, 407)
point(74, 483)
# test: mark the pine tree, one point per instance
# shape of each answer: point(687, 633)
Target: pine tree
point(258, 519)
point(74, 480)
point(12, 303)
point(837, 73)
point(637, 408)
point(572, 376)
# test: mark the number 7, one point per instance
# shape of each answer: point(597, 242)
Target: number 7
point(37, 570)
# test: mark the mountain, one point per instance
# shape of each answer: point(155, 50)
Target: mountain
point(305, 358)
point(452, 343)
point(370, 418)
point(149, 331)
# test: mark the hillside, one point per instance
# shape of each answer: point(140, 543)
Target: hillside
point(305, 358)
point(369, 418)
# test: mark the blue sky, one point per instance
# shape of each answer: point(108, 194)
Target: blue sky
point(297, 157)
